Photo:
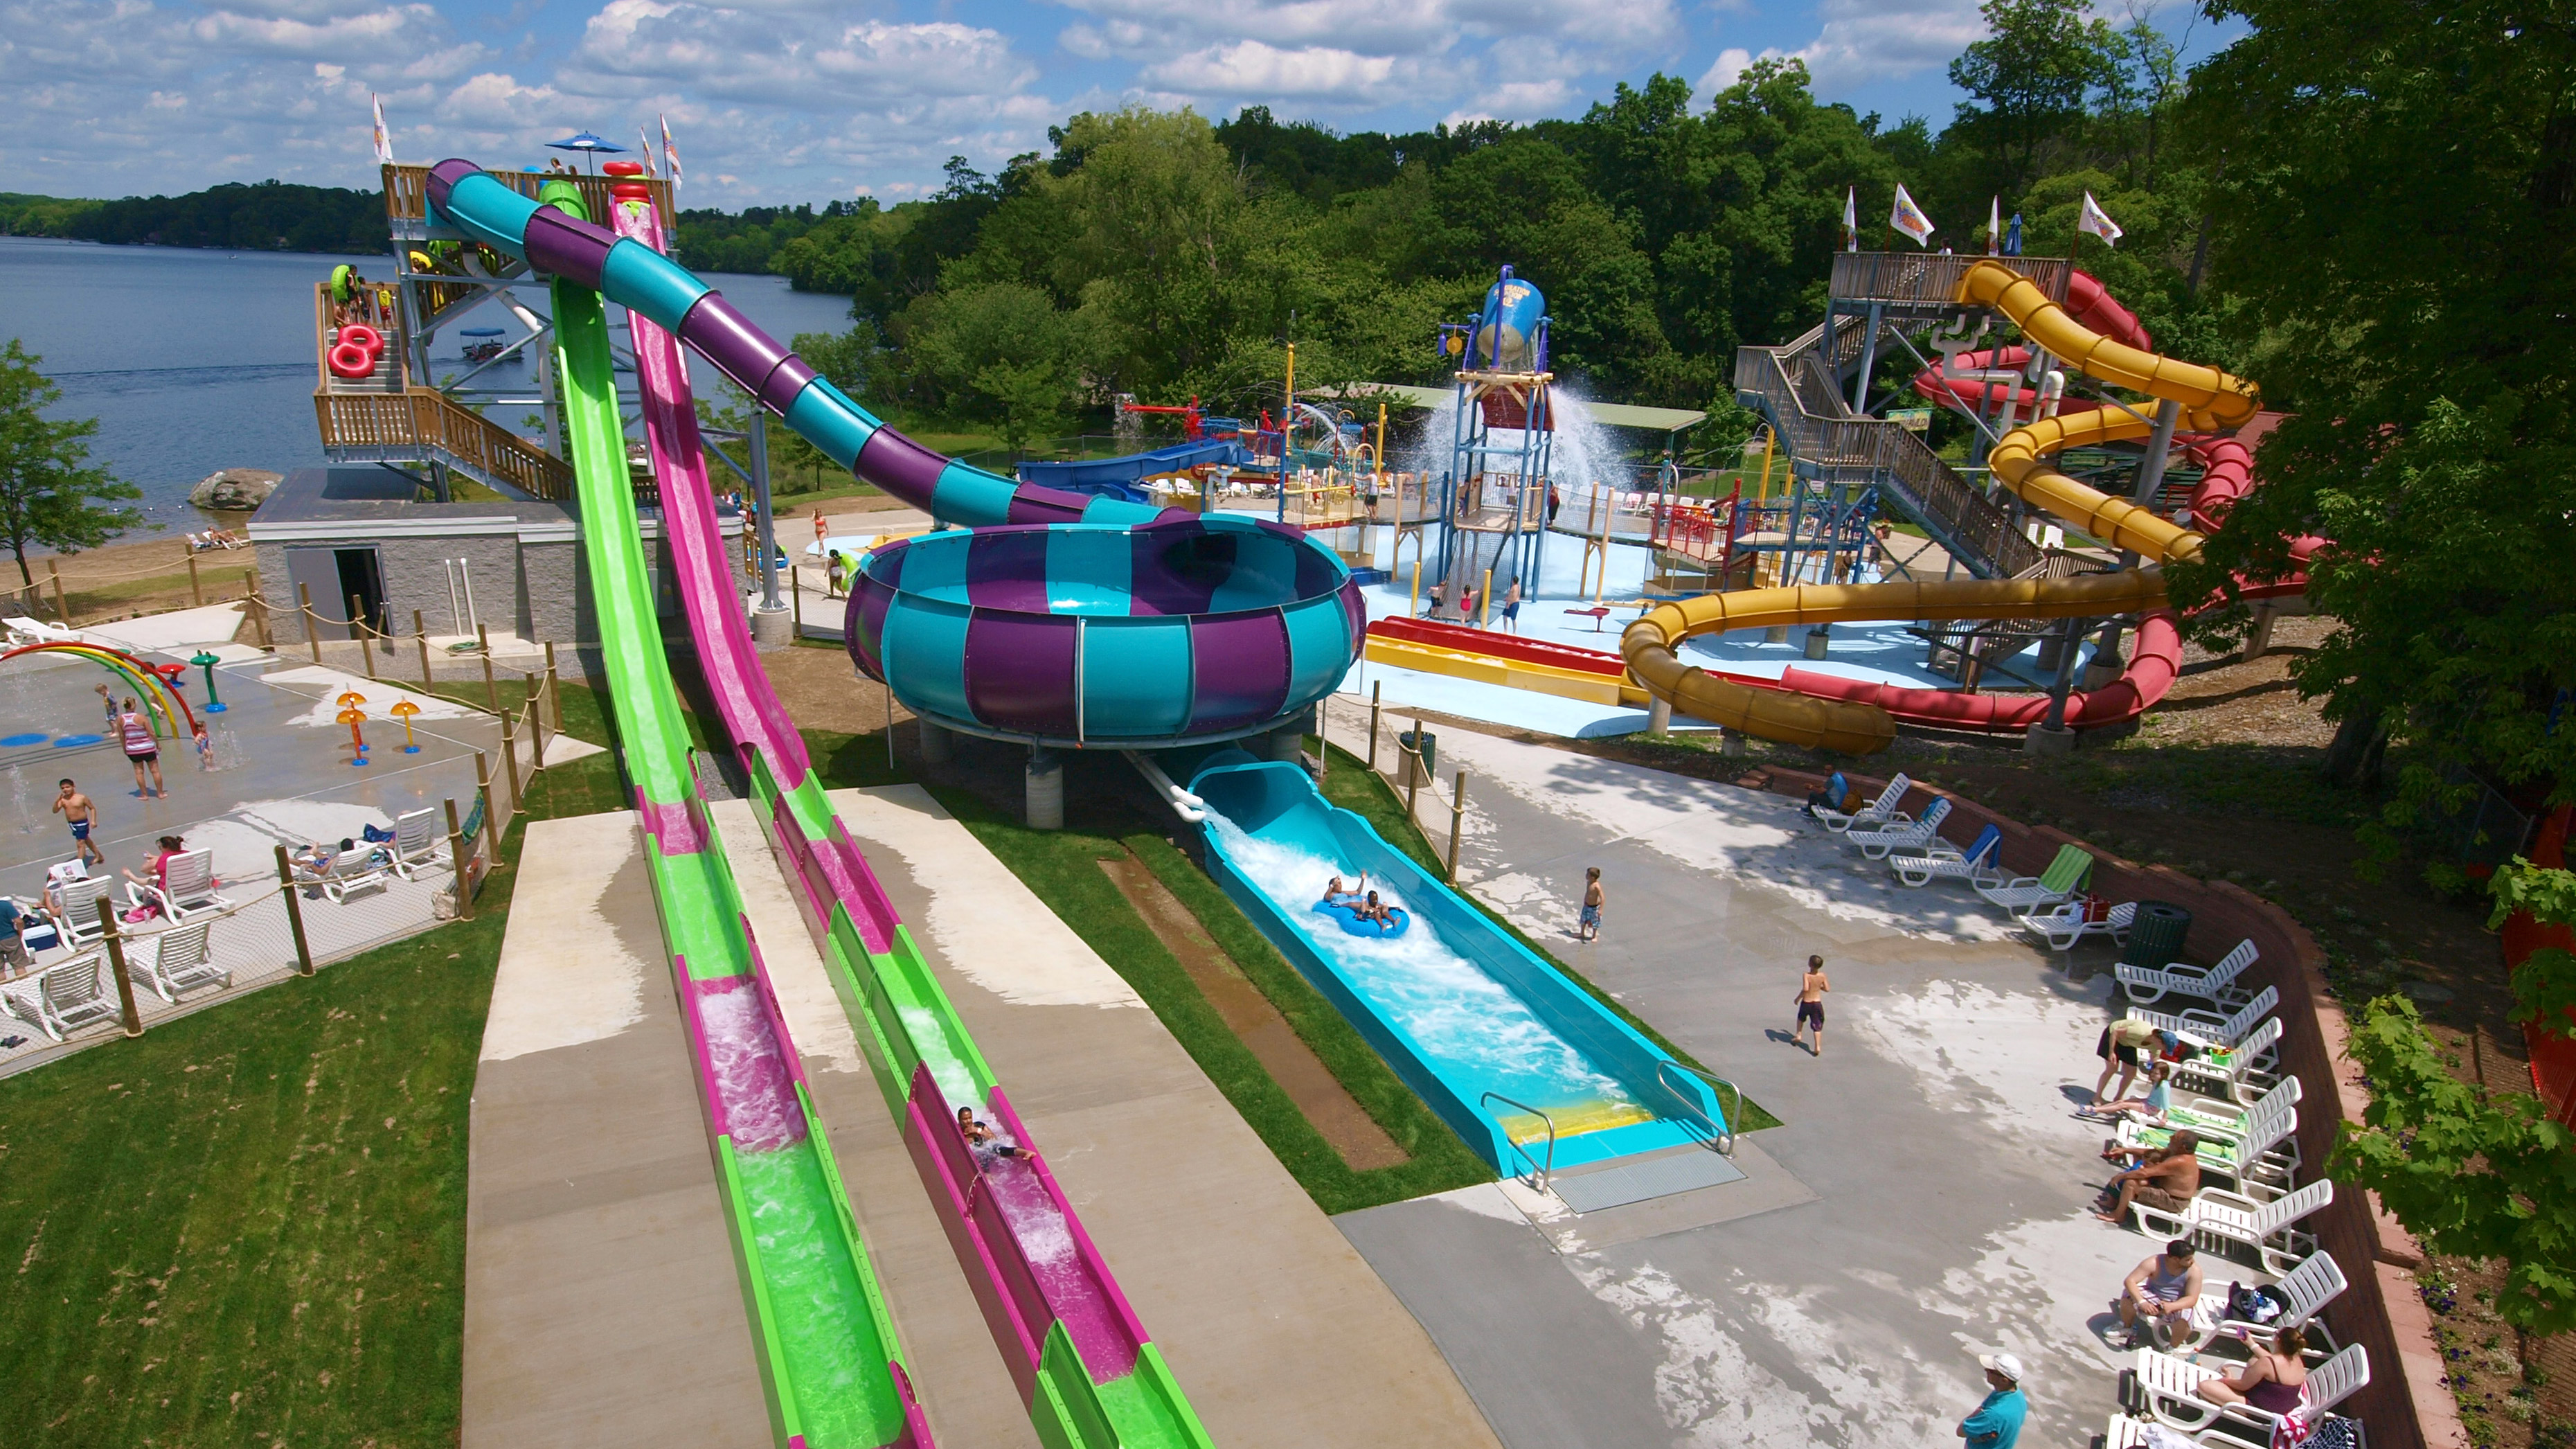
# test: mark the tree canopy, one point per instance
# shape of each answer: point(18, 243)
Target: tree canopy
point(50, 493)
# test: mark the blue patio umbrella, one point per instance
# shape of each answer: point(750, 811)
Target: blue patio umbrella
point(587, 144)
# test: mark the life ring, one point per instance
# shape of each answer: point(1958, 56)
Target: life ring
point(349, 360)
point(363, 337)
point(1398, 918)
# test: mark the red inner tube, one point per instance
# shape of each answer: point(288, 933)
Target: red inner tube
point(359, 334)
point(349, 360)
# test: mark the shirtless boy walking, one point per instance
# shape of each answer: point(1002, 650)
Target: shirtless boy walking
point(1812, 987)
point(80, 813)
point(1587, 922)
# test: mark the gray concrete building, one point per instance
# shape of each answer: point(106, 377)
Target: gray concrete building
point(353, 533)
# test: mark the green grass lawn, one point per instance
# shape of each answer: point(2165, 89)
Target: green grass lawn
point(1352, 785)
point(248, 1227)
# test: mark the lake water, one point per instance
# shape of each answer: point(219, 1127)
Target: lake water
point(195, 360)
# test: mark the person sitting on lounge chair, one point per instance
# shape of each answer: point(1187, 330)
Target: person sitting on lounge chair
point(2150, 1108)
point(2164, 1178)
point(2157, 1298)
point(1829, 797)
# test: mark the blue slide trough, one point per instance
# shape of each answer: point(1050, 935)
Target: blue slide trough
point(1465, 1014)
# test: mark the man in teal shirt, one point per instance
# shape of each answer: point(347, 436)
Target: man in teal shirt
point(1997, 1422)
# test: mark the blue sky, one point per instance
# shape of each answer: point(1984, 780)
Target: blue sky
point(788, 100)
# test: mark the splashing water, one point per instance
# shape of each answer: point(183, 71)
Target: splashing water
point(761, 1112)
point(1476, 1033)
point(815, 1300)
point(18, 801)
point(1055, 1262)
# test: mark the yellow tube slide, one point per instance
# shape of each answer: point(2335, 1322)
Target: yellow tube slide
point(2210, 399)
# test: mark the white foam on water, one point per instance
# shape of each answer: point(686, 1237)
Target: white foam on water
point(1472, 1026)
point(955, 1082)
point(750, 1076)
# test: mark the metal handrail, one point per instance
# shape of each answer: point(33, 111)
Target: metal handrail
point(1725, 1134)
point(1545, 1170)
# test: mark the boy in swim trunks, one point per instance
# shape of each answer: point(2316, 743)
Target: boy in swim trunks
point(77, 809)
point(979, 1135)
point(1812, 987)
point(1587, 922)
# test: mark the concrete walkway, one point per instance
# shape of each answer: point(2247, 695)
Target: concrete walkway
point(1948, 1176)
point(1276, 1329)
point(601, 1303)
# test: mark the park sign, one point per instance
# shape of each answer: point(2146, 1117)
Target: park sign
point(1912, 420)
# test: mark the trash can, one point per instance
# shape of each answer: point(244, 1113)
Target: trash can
point(1429, 744)
point(2156, 936)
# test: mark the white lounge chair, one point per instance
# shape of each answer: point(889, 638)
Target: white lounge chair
point(2239, 1073)
point(190, 890)
point(2309, 1287)
point(2160, 1386)
point(354, 871)
point(2061, 882)
point(1980, 865)
point(2334, 1431)
point(2148, 984)
point(2257, 1146)
point(24, 631)
point(76, 909)
point(419, 845)
point(2208, 1028)
point(64, 997)
point(1875, 843)
point(2271, 1229)
point(175, 960)
point(2062, 925)
point(1881, 811)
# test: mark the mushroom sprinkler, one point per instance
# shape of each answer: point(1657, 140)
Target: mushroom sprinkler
point(205, 659)
point(403, 710)
point(352, 716)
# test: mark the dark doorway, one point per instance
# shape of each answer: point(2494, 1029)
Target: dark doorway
point(362, 587)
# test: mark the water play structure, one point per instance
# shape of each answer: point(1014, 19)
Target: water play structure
point(1086, 1369)
point(1859, 716)
point(149, 687)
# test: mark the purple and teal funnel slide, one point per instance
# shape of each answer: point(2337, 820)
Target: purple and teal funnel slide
point(1063, 619)
point(1085, 1367)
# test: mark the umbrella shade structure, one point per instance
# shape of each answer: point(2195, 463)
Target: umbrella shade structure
point(586, 143)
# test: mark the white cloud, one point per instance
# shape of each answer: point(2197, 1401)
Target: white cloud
point(1252, 68)
point(792, 59)
point(1866, 42)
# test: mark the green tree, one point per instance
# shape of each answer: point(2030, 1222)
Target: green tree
point(2028, 80)
point(1000, 353)
point(2394, 206)
point(2469, 1172)
point(50, 493)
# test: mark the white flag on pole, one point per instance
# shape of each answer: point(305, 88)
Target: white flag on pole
point(670, 153)
point(1851, 219)
point(647, 138)
point(384, 143)
point(1995, 227)
point(1908, 218)
point(2097, 221)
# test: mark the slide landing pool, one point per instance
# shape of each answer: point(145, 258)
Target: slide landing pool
point(1500, 1043)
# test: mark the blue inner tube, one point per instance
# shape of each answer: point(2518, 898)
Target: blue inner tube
point(1350, 921)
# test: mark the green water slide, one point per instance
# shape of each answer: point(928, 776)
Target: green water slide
point(825, 1344)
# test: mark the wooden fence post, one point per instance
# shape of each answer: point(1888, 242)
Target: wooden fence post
point(483, 792)
point(366, 644)
point(510, 761)
point(294, 912)
point(796, 601)
point(420, 632)
point(491, 691)
point(312, 636)
point(1457, 814)
point(116, 964)
point(257, 603)
point(62, 611)
point(1377, 701)
point(554, 687)
point(196, 591)
point(458, 851)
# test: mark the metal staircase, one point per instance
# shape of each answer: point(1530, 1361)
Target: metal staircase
point(386, 418)
point(1797, 389)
